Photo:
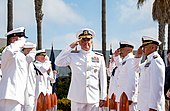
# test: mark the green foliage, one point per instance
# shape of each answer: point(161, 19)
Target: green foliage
point(62, 91)
point(1, 49)
point(63, 87)
point(64, 105)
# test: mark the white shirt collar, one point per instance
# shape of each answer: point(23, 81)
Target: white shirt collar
point(85, 52)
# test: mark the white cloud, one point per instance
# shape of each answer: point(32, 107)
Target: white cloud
point(60, 40)
point(55, 11)
point(58, 11)
point(129, 12)
point(135, 37)
point(24, 13)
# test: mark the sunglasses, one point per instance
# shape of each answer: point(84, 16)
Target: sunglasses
point(86, 39)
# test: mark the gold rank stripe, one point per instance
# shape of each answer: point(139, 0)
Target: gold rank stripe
point(85, 36)
point(147, 42)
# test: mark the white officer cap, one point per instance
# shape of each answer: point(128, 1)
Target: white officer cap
point(29, 45)
point(149, 40)
point(85, 33)
point(125, 44)
point(20, 32)
point(41, 52)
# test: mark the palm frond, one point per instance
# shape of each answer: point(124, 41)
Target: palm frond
point(140, 3)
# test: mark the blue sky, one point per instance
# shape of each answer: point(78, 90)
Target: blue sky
point(64, 18)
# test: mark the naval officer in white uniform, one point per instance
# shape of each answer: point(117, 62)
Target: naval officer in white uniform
point(112, 72)
point(14, 72)
point(88, 87)
point(152, 76)
point(43, 72)
point(29, 49)
point(127, 78)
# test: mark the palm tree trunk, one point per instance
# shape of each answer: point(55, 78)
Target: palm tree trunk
point(39, 17)
point(39, 35)
point(9, 16)
point(104, 28)
point(168, 36)
point(162, 37)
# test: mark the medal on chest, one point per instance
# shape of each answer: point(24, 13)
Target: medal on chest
point(95, 70)
point(95, 59)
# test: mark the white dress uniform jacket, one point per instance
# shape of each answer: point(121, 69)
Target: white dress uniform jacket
point(31, 83)
point(88, 72)
point(127, 79)
point(41, 80)
point(151, 83)
point(113, 79)
point(15, 73)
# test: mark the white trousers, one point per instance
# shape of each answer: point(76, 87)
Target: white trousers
point(84, 106)
point(29, 104)
point(10, 105)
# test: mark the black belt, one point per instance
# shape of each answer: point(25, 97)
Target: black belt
point(0, 76)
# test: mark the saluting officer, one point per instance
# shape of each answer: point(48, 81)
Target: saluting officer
point(14, 72)
point(152, 76)
point(127, 78)
point(29, 50)
point(88, 72)
point(113, 73)
point(42, 67)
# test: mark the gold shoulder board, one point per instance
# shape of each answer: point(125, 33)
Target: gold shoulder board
point(98, 53)
point(75, 51)
point(155, 56)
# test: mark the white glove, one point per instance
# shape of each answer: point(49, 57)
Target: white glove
point(30, 57)
point(20, 42)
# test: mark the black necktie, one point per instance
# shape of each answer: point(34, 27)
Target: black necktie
point(113, 72)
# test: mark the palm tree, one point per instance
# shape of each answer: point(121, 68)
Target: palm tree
point(104, 28)
point(39, 17)
point(159, 14)
point(9, 16)
point(168, 35)
point(168, 13)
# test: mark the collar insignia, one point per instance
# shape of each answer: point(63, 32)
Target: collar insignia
point(123, 62)
point(147, 64)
